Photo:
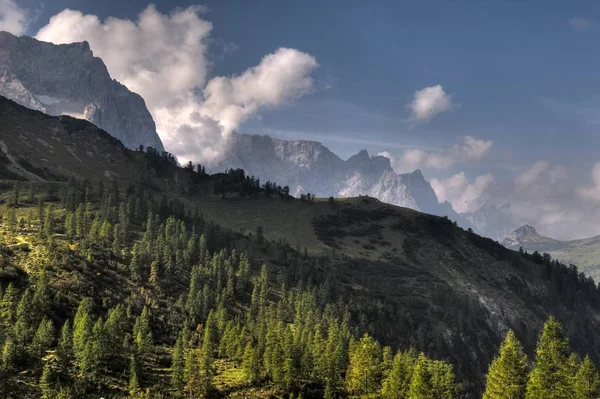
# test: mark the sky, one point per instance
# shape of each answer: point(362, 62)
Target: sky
point(495, 101)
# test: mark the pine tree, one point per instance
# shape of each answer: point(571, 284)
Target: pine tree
point(587, 383)
point(551, 377)
point(507, 375)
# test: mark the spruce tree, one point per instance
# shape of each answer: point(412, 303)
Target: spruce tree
point(507, 375)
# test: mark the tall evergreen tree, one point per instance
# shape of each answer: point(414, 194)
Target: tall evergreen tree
point(396, 383)
point(363, 373)
point(507, 375)
point(551, 376)
point(178, 366)
point(587, 383)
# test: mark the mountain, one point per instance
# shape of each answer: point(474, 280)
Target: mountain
point(584, 253)
point(68, 79)
point(310, 167)
point(491, 221)
point(405, 277)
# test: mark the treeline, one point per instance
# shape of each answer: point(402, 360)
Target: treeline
point(180, 297)
point(556, 372)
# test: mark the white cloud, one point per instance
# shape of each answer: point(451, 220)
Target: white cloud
point(469, 149)
point(465, 196)
point(592, 192)
point(165, 59)
point(429, 102)
point(581, 24)
point(13, 18)
point(279, 78)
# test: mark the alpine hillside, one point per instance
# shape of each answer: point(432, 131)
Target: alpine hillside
point(111, 242)
point(584, 253)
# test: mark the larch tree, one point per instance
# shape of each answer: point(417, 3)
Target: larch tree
point(587, 383)
point(507, 375)
point(551, 376)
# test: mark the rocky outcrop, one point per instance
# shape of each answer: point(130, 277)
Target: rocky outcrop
point(68, 79)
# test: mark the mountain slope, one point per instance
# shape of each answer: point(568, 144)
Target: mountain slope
point(310, 167)
point(407, 278)
point(68, 79)
point(584, 253)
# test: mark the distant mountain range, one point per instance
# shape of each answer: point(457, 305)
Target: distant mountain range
point(585, 253)
point(310, 167)
point(68, 79)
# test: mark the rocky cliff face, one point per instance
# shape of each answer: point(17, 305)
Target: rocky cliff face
point(310, 167)
point(68, 79)
point(492, 221)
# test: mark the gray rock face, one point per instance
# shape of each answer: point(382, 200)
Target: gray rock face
point(491, 221)
point(68, 79)
point(309, 167)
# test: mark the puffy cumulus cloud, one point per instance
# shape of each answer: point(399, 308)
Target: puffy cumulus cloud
point(280, 77)
point(469, 149)
point(429, 102)
point(164, 58)
point(592, 192)
point(13, 18)
point(464, 195)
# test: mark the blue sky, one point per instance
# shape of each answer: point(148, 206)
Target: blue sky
point(520, 73)
point(522, 76)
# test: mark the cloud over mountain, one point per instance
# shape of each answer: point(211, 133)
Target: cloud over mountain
point(464, 195)
point(164, 58)
point(468, 149)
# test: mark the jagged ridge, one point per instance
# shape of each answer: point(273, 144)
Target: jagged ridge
point(68, 79)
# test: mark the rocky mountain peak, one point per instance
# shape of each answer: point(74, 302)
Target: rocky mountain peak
point(310, 167)
point(525, 231)
point(68, 79)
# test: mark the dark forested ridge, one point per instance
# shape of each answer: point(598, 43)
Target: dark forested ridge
point(124, 274)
